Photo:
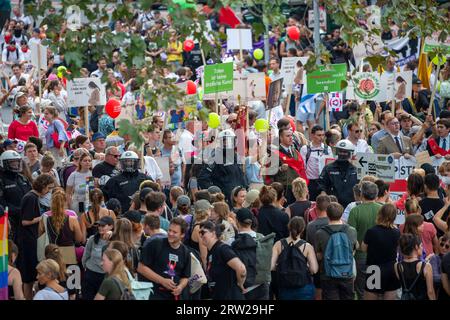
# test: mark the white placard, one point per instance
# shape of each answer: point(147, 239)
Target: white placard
point(163, 164)
point(289, 69)
point(381, 166)
point(38, 55)
point(398, 85)
point(238, 39)
point(322, 18)
point(83, 92)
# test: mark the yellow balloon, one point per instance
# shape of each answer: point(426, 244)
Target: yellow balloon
point(437, 61)
point(258, 54)
point(261, 125)
point(213, 120)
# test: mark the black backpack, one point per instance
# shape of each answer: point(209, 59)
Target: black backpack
point(406, 292)
point(292, 268)
point(125, 294)
point(247, 255)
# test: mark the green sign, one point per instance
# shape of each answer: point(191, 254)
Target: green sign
point(218, 78)
point(327, 78)
point(433, 42)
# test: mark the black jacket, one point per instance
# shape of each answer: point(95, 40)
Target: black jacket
point(271, 219)
point(123, 187)
point(338, 179)
point(13, 187)
point(245, 247)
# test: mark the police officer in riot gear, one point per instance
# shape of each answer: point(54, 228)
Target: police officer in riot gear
point(223, 168)
point(124, 185)
point(13, 187)
point(339, 177)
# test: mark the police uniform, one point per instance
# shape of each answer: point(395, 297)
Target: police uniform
point(13, 187)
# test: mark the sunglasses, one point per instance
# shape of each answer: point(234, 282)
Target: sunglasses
point(232, 121)
point(445, 245)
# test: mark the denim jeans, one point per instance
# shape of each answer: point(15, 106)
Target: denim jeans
point(305, 293)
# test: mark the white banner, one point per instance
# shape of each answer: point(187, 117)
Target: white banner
point(83, 92)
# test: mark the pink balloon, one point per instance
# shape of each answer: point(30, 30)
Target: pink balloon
point(52, 77)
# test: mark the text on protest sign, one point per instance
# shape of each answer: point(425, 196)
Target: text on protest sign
point(218, 78)
point(379, 165)
point(83, 92)
point(328, 78)
point(289, 68)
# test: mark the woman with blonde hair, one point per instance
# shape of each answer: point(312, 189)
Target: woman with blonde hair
point(380, 243)
point(117, 279)
point(62, 227)
point(96, 212)
point(301, 194)
point(77, 185)
point(201, 215)
point(52, 252)
point(47, 275)
point(220, 214)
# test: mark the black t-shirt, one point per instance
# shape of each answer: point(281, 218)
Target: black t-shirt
point(429, 209)
point(103, 171)
point(382, 245)
point(445, 264)
point(166, 261)
point(298, 208)
point(222, 279)
point(30, 210)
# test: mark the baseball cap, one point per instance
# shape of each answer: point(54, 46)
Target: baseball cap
point(214, 189)
point(405, 116)
point(37, 30)
point(133, 216)
point(106, 220)
point(144, 192)
point(98, 135)
point(202, 205)
point(183, 201)
point(416, 81)
point(250, 197)
point(9, 142)
point(244, 214)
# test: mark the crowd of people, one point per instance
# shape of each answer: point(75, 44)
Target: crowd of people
point(217, 221)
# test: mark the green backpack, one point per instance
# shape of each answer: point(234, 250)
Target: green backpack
point(264, 257)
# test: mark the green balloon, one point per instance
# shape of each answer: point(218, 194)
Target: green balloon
point(261, 125)
point(214, 120)
point(258, 54)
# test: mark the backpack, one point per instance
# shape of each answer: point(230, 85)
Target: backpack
point(292, 266)
point(125, 294)
point(338, 256)
point(8, 52)
point(309, 150)
point(247, 255)
point(406, 292)
point(264, 245)
point(311, 213)
point(141, 290)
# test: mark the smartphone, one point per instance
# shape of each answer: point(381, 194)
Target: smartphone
point(80, 207)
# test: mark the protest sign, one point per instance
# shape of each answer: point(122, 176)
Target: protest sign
point(322, 18)
point(247, 87)
point(83, 92)
point(239, 39)
point(406, 47)
point(433, 42)
point(366, 86)
point(397, 86)
point(218, 78)
point(289, 68)
point(163, 164)
point(275, 91)
point(328, 78)
point(379, 165)
point(335, 101)
point(38, 55)
point(275, 115)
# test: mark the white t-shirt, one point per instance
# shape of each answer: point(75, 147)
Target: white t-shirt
point(185, 142)
point(77, 180)
point(362, 147)
point(152, 169)
point(50, 294)
point(14, 79)
point(312, 166)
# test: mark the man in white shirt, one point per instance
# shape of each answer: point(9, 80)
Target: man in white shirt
point(311, 155)
point(186, 138)
point(354, 135)
point(12, 54)
point(35, 39)
point(274, 65)
point(101, 64)
point(18, 16)
point(17, 71)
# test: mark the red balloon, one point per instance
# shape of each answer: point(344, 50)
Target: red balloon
point(113, 108)
point(188, 45)
point(293, 33)
point(191, 88)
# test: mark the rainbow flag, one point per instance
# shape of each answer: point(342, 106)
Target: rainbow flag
point(4, 256)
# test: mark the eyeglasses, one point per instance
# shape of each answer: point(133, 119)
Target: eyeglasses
point(445, 245)
point(358, 131)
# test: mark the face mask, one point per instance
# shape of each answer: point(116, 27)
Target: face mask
point(17, 33)
point(12, 48)
point(446, 180)
point(25, 50)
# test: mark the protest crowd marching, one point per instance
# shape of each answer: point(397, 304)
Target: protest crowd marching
point(291, 189)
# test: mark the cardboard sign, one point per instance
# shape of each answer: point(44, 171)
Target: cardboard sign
point(379, 165)
point(38, 55)
point(83, 92)
point(327, 78)
point(218, 78)
point(275, 91)
point(239, 39)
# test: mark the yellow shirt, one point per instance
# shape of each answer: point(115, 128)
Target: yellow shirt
point(171, 57)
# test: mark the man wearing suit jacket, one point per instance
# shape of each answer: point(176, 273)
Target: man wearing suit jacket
point(440, 146)
point(394, 142)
